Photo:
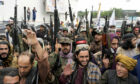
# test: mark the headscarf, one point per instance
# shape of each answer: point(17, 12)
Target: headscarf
point(127, 61)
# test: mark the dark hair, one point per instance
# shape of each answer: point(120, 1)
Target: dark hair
point(77, 53)
point(115, 37)
point(127, 38)
point(2, 37)
point(6, 43)
point(80, 38)
point(9, 25)
point(1, 63)
point(46, 42)
point(138, 45)
point(13, 73)
point(31, 56)
point(42, 26)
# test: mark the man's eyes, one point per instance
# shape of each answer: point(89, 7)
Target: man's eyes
point(23, 66)
point(3, 48)
point(84, 56)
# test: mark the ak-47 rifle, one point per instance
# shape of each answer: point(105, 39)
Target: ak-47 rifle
point(70, 13)
point(132, 23)
point(52, 33)
point(25, 15)
point(104, 37)
point(24, 25)
point(56, 23)
point(66, 16)
point(123, 28)
point(56, 29)
point(78, 28)
point(87, 24)
point(91, 16)
point(17, 35)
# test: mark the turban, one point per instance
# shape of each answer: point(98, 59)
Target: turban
point(127, 61)
point(82, 46)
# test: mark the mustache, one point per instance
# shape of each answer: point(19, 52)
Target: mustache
point(65, 49)
point(4, 53)
point(80, 62)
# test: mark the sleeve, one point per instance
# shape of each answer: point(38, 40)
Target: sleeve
point(119, 50)
point(134, 72)
point(94, 76)
point(43, 67)
point(136, 81)
point(56, 73)
point(63, 79)
point(104, 78)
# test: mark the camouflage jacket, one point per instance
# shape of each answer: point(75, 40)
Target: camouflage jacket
point(56, 72)
point(8, 62)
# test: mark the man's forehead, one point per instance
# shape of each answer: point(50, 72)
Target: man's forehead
point(65, 44)
point(24, 59)
point(120, 63)
point(85, 52)
point(114, 40)
point(3, 45)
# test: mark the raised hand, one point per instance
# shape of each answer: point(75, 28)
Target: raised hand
point(106, 62)
point(57, 46)
point(67, 70)
point(31, 37)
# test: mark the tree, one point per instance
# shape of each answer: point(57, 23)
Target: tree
point(118, 12)
point(82, 14)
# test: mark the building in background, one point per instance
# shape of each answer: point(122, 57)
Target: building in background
point(7, 9)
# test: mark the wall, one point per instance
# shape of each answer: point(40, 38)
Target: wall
point(7, 10)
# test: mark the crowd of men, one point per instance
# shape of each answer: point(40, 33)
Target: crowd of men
point(76, 58)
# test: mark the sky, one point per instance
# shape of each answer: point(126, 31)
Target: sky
point(108, 4)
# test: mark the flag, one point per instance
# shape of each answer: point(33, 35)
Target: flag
point(98, 17)
point(112, 19)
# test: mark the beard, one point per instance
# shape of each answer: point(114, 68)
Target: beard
point(23, 74)
point(3, 58)
point(97, 41)
point(80, 63)
point(132, 46)
point(65, 51)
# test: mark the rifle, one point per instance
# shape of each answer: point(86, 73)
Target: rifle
point(87, 25)
point(52, 33)
point(70, 12)
point(76, 32)
point(123, 27)
point(23, 24)
point(91, 16)
point(56, 29)
point(24, 15)
point(17, 35)
point(66, 16)
point(56, 23)
point(104, 37)
point(132, 23)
